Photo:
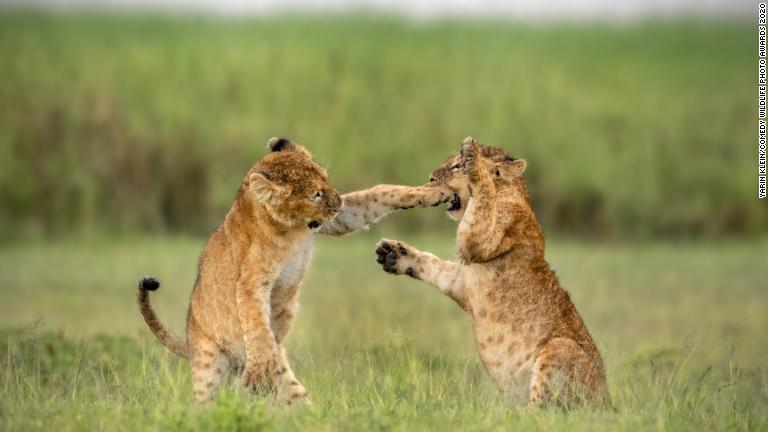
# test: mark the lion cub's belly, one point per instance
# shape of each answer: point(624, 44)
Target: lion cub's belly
point(506, 360)
point(505, 349)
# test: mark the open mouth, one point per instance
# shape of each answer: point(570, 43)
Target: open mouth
point(454, 203)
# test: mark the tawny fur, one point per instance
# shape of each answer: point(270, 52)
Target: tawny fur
point(245, 298)
point(531, 340)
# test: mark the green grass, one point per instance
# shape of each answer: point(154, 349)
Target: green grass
point(681, 328)
point(124, 123)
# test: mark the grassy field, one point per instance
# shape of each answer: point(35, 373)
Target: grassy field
point(681, 327)
point(629, 131)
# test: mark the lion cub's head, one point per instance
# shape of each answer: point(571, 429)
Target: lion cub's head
point(505, 170)
point(291, 186)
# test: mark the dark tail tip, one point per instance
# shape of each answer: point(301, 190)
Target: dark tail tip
point(149, 284)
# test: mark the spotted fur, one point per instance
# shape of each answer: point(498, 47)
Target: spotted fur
point(365, 207)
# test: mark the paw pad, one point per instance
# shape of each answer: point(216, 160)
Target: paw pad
point(388, 253)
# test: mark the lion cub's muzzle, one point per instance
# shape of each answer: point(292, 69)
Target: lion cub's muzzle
point(455, 203)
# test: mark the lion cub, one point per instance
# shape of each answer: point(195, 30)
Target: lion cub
point(246, 294)
point(531, 339)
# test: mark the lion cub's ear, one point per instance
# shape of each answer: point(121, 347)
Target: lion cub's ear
point(514, 168)
point(277, 144)
point(263, 188)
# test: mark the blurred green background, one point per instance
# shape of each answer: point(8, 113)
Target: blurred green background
point(147, 124)
point(123, 138)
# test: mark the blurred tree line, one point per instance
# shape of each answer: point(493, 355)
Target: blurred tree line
point(140, 123)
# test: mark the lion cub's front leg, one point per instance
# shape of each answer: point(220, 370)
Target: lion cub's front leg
point(261, 362)
point(479, 234)
point(266, 369)
point(365, 207)
point(289, 389)
point(399, 258)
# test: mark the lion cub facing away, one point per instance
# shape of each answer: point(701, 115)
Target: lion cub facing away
point(246, 294)
point(532, 341)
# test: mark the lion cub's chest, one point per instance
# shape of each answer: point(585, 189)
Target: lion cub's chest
point(295, 265)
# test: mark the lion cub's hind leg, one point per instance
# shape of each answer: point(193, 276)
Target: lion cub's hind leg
point(208, 363)
point(563, 376)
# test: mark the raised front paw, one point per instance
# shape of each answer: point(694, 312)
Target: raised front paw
point(395, 257)
point(470, 152)
point(434, 195)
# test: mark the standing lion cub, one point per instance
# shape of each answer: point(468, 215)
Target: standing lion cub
point(531, 339)
point(246, 294)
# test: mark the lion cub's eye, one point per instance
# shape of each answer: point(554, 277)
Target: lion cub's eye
point(432, 179)
point(318, 196)
point(456, 167)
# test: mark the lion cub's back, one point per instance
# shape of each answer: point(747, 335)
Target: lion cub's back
point(213, 305)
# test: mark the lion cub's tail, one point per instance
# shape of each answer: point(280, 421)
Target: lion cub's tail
point(173, 342)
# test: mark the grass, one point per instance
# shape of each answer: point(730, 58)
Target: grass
point(681, 328)
point(633, 130)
